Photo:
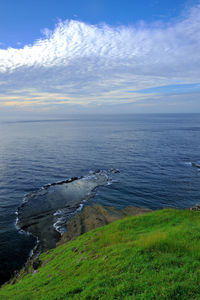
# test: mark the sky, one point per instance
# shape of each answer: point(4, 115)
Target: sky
point(98, 56)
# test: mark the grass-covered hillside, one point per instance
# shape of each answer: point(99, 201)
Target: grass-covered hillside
point(152, 256)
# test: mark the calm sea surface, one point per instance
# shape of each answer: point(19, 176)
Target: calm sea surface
point(152, 152)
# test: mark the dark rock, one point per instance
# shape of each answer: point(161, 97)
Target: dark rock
point(114, 171)
point(36, 264)
point(74, 249)
point(196, 207)
point(195, 165)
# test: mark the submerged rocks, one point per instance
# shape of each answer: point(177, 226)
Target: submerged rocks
point(114, 171)
point(195, 165)
point(95, 216)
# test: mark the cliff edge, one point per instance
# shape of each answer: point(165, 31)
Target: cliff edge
point(94, 216)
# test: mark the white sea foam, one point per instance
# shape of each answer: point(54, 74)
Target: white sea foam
point(16, 223)
point(32, 250)
point(58, 212)
point(110, 182)
point(80, 207)
point(188, 163)
point(62, 215)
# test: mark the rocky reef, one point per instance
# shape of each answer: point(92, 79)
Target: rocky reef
point(44, 212)
point(54, 209)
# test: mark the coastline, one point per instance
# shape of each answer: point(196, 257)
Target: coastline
point(90, 217)
point(80, 221)
point(121, 259)
point(45, 213)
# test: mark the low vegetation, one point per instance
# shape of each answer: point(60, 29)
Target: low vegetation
point(151, 256)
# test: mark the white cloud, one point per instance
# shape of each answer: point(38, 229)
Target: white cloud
point(82, 63)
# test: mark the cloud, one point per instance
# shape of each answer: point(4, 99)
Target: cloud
point(81, 64)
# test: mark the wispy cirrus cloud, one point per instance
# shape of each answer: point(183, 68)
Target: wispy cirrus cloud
point(79, 63)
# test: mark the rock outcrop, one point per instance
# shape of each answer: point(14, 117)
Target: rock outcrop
point(95, 216)
point(196, 207)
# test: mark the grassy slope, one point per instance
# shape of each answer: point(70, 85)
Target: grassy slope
point(153, 256)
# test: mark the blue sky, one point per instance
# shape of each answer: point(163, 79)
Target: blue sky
point(99, 56)
point(21, 21)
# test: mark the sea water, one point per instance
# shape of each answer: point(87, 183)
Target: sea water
point(152, 152)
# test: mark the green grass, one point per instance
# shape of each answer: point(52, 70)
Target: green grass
point(153, 256)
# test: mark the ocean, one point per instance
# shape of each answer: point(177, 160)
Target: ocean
point(153, 153)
